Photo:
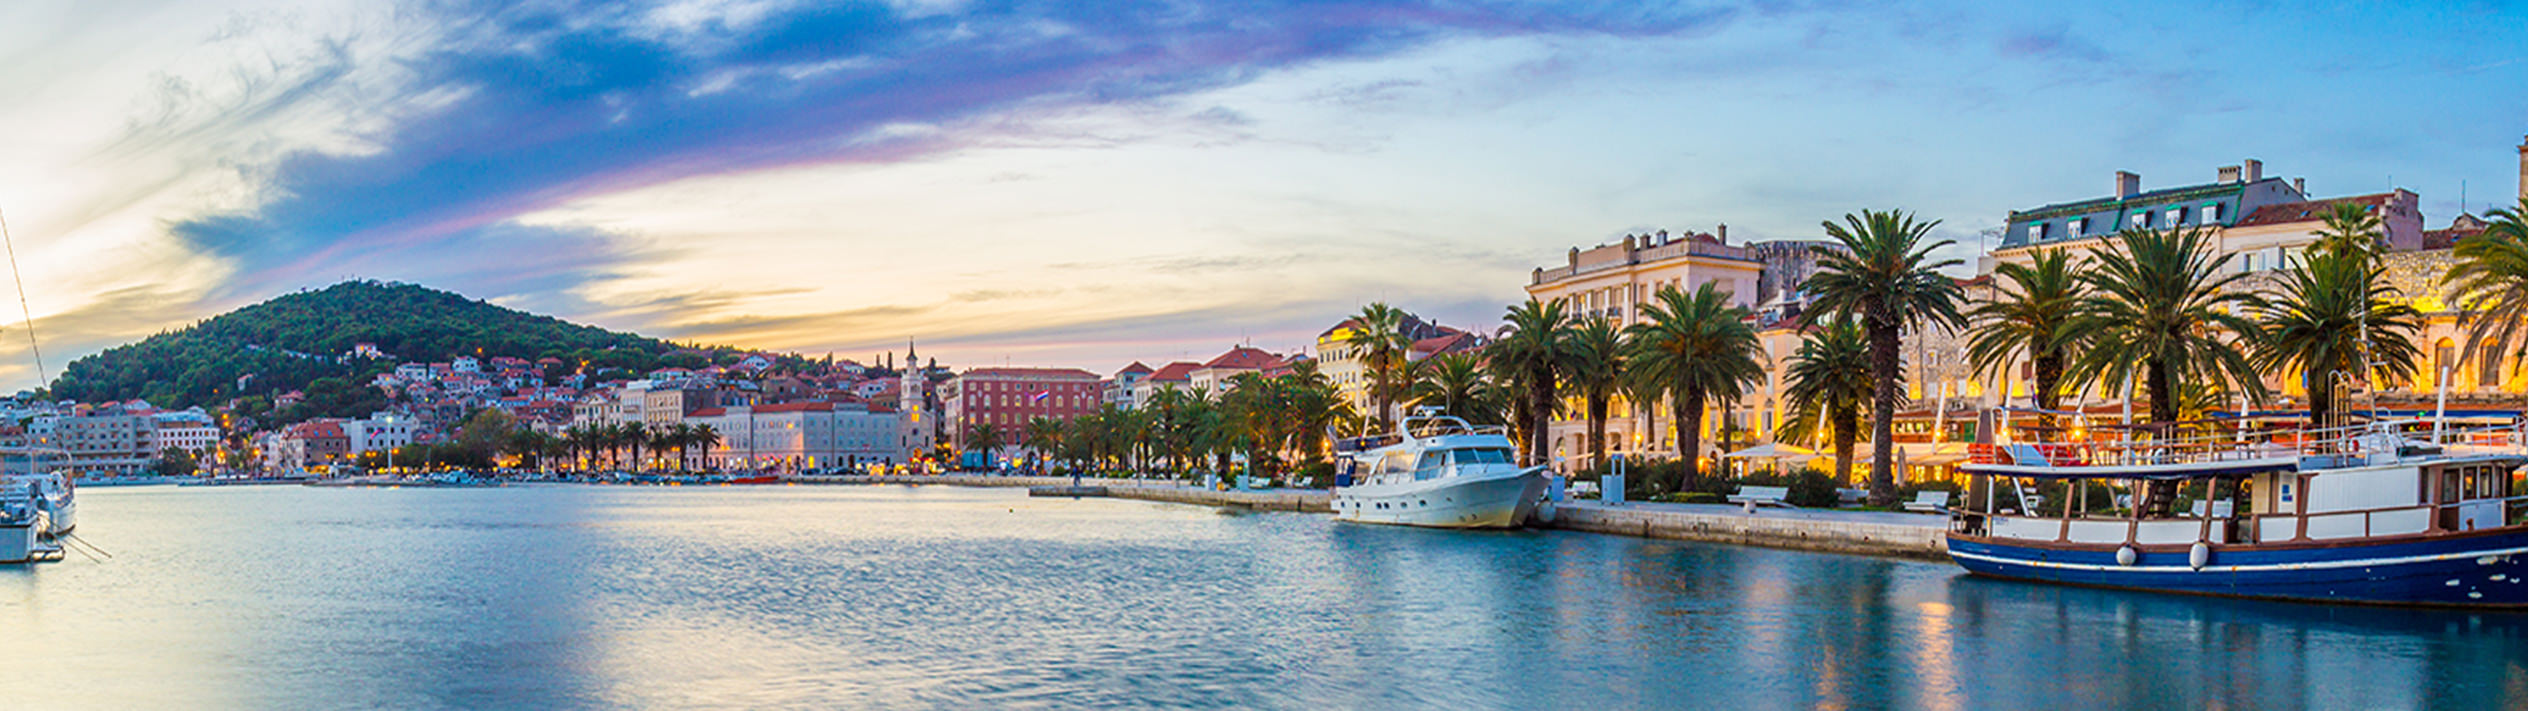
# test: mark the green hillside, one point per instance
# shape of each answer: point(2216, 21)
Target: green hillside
point(294, 341)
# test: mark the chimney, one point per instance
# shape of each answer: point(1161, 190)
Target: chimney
point(2127, 184)
point(2301, 186)
point(1631, 244)
point(1575, 259)
point(2228, 174)
point(1723, 234)
point(2255, 170)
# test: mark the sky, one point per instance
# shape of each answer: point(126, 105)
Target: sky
point(1086, 184)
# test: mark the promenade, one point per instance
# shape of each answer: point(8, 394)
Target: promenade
point(1905, 535)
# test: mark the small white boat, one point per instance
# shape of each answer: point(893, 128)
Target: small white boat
point(1436, 471)
point(26, 526)
point(51, 493)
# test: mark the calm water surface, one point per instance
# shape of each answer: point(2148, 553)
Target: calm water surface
point(825, 597)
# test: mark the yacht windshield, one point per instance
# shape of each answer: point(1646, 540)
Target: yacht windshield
point(1481, 456)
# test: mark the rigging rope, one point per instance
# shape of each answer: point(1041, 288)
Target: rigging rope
point(41, 379)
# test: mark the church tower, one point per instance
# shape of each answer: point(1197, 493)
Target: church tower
point(913, 401)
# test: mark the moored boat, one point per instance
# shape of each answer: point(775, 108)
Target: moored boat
point(1436, 471)
point(2359, 514)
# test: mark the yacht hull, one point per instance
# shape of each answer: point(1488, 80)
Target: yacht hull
point(2481, 569)
point(1498, 501)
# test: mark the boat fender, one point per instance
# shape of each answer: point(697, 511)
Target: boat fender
point(2199, 555)
point(2126, 555)
point(1545, 512)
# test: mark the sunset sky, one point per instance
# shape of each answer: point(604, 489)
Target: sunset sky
point(1089, 183)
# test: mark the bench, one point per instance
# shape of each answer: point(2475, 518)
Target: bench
point(1851, 497)
point(1929, 502)
point(1754, 496)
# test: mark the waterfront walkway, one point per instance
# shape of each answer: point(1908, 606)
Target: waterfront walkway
point(1908, 535)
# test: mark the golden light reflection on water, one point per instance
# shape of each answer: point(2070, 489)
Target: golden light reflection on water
point(571, 597)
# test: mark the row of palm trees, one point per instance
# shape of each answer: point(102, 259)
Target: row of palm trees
point(1278, 423)
point(611, 440)
point(2149, 314)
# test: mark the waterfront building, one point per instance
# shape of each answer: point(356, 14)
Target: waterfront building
point(1613, 281)
point(1213, 377)
point(1006, 398)
point(1119, 389)
point(1173, 376)
point(380, 432)
point(1345, 366)
point(2235, 192)
point(311, 447)
point(799, 437)
point(191, 430)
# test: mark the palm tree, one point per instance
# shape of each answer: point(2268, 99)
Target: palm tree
point(665, 437)
point(1378, 335)
point(1692, 349)
point(1458, 386)
point(1044, 437)
point(983, 437)
point(2160, 310)
point(2025, 320)
point(1829, 384)
point(1596, 371)
point(2490, 281)
point(635, 435)
point(2351, 230)
point(707, 437)
point(1529, 359)
point(2329, 317)
point(1884, 276)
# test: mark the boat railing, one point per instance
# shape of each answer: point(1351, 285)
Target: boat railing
point(2354, 441)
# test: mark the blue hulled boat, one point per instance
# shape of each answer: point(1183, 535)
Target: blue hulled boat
point(2361, 515)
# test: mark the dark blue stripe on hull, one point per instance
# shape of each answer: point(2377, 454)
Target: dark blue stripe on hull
point(2409, 573)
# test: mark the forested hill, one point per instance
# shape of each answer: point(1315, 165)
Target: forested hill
point(293, 341)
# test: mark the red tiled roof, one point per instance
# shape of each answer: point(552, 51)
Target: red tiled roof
point(1450, 343)
point(1243, 358)
point(810, 406)
point(708, 412)
point(2308, 211)
point(1177, 372)
point(1029, 372)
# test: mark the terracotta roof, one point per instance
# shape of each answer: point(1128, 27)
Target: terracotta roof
point(1243, 358)
point(1029, 372)
point(708, 412)
point(1450, 343)
point(2464, 226)
point(2308, 211)
point(1179, 371)
point(810, 406)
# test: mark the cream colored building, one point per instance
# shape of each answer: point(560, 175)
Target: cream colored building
point(1615, 281)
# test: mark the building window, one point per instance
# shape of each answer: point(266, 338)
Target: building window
point(2176, 216)
point(2489, 362)
point(2211, 214)
point(2036, 231)
point(2076, 227)
point(2142, 219)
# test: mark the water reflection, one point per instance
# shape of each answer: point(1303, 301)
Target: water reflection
point(570, 597)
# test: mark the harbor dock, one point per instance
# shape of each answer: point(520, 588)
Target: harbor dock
point(1904, 535)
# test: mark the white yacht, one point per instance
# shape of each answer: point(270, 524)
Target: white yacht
point(1436, 471)
point(51, 493)
point(31, 520)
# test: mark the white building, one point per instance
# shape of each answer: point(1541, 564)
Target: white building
point(798, 437)
point(382, 431)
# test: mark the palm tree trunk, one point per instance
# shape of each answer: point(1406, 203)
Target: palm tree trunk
point(1689, 420)
point(1597, 432)
point(1540, 406)
point(2321, 390)
point(1885, 340)
point(2049, 383)
point(2163, 392)
point(1847, 431)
